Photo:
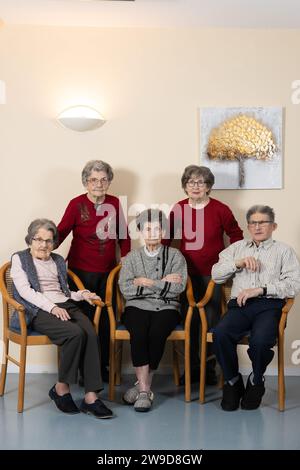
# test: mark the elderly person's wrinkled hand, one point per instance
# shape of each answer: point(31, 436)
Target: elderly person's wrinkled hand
point(250, 263)
point(248, 294)
point(90, 296)
point(176, 278)
point(60, 313)
point(143, 281)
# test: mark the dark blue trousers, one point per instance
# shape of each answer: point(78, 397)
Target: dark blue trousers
point(259, 318)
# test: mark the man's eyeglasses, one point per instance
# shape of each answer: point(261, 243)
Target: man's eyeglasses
point(40, 241)
point(94, 181)
point(260, 223)
point(194, 183)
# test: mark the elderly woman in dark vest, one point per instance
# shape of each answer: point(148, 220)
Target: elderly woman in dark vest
point(40, 284)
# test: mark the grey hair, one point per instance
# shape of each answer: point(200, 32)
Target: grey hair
point(151, 215)
point(196, 170)
point(96, 165)
point(260, 209)
point(41, 223)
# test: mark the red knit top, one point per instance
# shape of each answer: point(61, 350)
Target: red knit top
point(96, 233)
point(201, 233)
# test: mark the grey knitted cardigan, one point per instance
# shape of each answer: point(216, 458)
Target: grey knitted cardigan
point(162, 295)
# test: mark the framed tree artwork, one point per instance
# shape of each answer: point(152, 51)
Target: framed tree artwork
point(242, 146)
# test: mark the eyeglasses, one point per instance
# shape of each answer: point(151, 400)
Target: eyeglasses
point(94, 181)
point(40, 241)
point(193, 183)
point(260, 223)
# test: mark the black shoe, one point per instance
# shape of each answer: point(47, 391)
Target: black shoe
point(253, 395)
point(232, 395)
point(64, 403)
point(97, 409)
point(105, 374)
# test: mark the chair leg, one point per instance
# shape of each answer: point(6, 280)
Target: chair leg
point(112, 368)
point(22, 378)
point(281, 384)
point(202, 369)
point(221, 381)
point(187, 369)
point(119, 345)
point(175, 364)
point(4, 366)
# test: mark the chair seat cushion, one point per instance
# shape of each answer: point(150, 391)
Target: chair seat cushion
point(30, 332)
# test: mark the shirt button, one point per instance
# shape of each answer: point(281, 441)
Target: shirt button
point(156, 269)
point(157, 308)
point(158, 259)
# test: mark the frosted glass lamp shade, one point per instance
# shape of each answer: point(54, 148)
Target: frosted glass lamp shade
point(81, 118)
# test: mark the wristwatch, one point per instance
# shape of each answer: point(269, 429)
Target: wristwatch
point(264, 288)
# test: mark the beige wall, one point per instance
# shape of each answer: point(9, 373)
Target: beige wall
point(149, 85)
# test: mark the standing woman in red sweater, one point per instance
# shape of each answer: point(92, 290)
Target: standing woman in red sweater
point(200, 221)
point(97, 223)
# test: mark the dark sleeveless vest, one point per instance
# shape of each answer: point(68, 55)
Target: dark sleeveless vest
point(29, 267)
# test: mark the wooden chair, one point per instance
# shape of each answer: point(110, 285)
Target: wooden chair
point(207, 337)
point(24, 337)
point(119, 333)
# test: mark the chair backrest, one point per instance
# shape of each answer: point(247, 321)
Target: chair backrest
point(114, 299)
point(225, 296)
point(6, 288)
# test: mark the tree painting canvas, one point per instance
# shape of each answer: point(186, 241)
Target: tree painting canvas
point(242, 146)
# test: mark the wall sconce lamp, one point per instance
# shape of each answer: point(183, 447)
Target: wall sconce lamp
point(81, 118)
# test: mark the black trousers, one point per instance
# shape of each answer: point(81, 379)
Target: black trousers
point(96, 282)
point(213, 313)
point(79, 345)
point(148, 333)
point(260, 317)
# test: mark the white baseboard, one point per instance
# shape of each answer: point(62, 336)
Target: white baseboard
point(127, 369)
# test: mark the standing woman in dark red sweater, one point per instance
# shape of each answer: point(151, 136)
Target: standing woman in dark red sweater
point(200, 221)
point(97, 223)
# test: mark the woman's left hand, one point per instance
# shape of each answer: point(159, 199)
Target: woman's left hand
point(143, 281)
point(89, 296)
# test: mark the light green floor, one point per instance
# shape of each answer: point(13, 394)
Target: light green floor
point(171, 424)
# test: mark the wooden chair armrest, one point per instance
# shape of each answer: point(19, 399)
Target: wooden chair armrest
point(208, 294)
point(19, 307)
point(22, 321)
point(76, 280)
point(190, 293)
point(110, 285)
point(284, 313)
point(98, 303)
point(288, 305)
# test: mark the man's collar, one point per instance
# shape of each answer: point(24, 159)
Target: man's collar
point(265, 244)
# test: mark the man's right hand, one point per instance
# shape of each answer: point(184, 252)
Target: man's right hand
point(60, 313)
point(250, 263)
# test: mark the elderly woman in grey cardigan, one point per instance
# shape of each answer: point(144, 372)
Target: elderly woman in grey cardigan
point(151, 280)
point(40, 284)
